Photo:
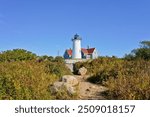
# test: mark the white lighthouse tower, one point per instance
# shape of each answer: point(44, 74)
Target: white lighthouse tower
point(76, 47)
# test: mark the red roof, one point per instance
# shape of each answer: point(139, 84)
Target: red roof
point(69, 52)
point(85, 51)
point(90, 50)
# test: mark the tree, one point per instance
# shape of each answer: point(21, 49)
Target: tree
point(140, 53)
point(145, 44)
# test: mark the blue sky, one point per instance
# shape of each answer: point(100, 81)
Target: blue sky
point(114, 27)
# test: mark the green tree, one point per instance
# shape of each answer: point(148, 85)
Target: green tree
point(140, 53)
point(145, 44)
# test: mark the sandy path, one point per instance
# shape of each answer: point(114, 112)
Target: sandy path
point(90, 91)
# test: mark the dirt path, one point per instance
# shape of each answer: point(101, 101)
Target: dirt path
point(89, 91)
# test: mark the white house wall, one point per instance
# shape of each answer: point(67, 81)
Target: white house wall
point(94, 54)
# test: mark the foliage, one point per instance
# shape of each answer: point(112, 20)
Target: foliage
point(29, 79)
point(16, 55)
point(140, 53)
point(59, 59)
point(131, 83)
point(59, 68)
point(45, 58)
point(63, 94)
point(23, 75)
point(20, 80)
point(145, 44)
point(125, 79)
point(98, 65)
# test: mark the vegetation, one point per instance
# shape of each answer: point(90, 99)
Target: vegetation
point(140, 53)
point(22, 76)
point(125, 78)
point(63, 94)
point(16, 55)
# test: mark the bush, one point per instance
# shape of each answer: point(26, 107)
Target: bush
point(7, 88)
point(125, 79)
point(57, 68)
point(24, 80)
point(16, 55)
point(28, 79)
point(134, 83)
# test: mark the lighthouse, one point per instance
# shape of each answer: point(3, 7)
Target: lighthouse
point(76, 52)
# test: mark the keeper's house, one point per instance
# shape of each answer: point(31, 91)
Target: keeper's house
point(89, 53)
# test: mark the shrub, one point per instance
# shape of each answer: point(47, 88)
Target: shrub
point(16, 55)
point(124, 79)
point(58, 68)
point(28, 79)
point(134, 83)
